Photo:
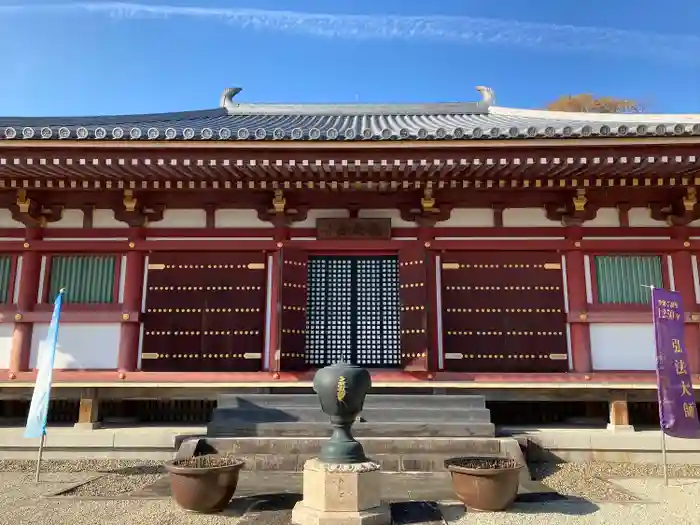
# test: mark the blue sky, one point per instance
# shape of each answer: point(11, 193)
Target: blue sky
point(78, 58)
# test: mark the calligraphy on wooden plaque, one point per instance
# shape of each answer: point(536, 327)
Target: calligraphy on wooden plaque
point(353, 228)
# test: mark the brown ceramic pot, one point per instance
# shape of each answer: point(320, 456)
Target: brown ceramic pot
point(204, 486)
point(486, 484)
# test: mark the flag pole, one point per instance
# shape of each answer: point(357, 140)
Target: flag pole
point(664, 456)
point(39, 407)
point(38, 459)
point(664, 449)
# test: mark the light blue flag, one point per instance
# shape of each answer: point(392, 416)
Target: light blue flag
point(39, 409)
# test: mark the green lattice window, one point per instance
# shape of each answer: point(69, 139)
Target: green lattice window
point(620, 278)
point(5, 274)
point(88, 279)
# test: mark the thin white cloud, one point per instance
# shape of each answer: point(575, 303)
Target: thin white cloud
point(458, 29)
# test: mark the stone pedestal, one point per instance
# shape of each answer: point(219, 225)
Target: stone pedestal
point(341, 494)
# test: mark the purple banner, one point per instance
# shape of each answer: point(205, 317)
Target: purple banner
point(677, 409)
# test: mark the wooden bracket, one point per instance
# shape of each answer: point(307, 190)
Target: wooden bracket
point(135, 213)
point(679, 212)
point(31, 213)
point(428, 214)
point(279, 214)
point(574, 212)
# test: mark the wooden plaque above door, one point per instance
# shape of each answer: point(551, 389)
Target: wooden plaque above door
point(353, 229)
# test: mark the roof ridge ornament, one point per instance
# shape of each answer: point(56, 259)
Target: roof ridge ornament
point(226, 100)
point(488, 97)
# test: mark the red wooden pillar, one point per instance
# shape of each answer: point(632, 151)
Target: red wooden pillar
point(684, 283)
point(576, 291)
point(426, 234)
point(128, 358)
point(274, 357)
point(26, 299)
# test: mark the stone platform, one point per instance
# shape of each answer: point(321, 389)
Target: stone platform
point(397, 454)
point(384, 415)
point(402, 433)
point(161, 442)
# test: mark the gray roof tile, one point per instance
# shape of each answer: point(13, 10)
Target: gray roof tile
point(443, 121)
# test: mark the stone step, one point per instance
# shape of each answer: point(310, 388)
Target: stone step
point(311, 445)
point(230, 428)
point(369, 415)
point(372, 401)
point(393, 454)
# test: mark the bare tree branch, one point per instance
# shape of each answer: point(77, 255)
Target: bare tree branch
point(587, 103)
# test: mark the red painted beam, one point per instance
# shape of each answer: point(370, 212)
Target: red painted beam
point(329, 247)
point(430, 380)
point(614, 316)
point(92, 246)
point(621, 316)
point(590, 246)
point(56, 234)
point(107, 233)
point(592, 377)
point(489, 245)
point(70, 316)
point(16, 233)
point(549, 231)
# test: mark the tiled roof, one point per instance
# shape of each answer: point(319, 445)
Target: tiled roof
point(315, 122)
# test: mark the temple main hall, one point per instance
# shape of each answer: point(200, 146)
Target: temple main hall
point(441, 245)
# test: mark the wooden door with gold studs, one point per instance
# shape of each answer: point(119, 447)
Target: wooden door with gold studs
point(503, 312)
point(291, 355)
point(205, 312)
point(413, 295)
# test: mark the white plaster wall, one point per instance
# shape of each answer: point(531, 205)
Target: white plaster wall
point(181, 219)
point(6, 331)
point(81, 346)
point(105, 219)
point(642, 217)
point(469, 218)
point(6, 220)
point(623, 346)
point(527, 217)
point(605, 218)
point(70, 219)
point(239, 219)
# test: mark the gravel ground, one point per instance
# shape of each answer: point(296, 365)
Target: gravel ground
point(21, 502)
point(118, 477)
point(82, 465)
point(111, 485)
point(676, 505)
point(591, 481)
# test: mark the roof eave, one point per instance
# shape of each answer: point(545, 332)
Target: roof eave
point(350, 145)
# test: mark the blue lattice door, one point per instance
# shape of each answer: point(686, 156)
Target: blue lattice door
point(353, 311)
